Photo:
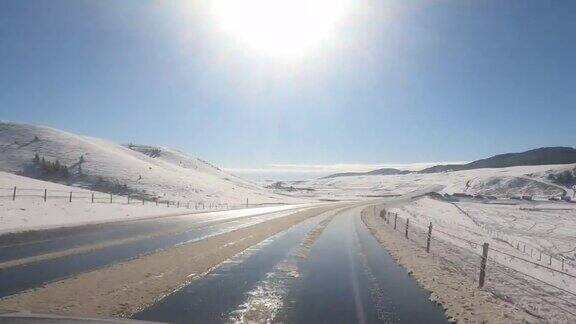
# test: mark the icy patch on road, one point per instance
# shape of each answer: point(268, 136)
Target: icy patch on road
point(265, 301)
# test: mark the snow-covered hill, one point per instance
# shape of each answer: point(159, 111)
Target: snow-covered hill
point(538, 181)
point(136, 169)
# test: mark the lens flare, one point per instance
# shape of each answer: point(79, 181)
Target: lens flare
point(280, 27)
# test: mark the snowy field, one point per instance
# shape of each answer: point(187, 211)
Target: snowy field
point(532, 247)
point(29, 211)
point(502, 182)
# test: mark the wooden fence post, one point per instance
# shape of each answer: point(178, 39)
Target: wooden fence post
point(395, 220)
point(483, 265)
point(92, 197)
point(14, 194)
point(429, 237)
point(407, 223)
point(70, 197)
point(562, 264)
point(142, 201)
point(45, 194)
point(167, 203)
point(156, 201)
point(110, 197)
point(128, 199)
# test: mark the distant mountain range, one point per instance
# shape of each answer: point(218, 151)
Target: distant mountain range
point(384, 171)
point(540, 156)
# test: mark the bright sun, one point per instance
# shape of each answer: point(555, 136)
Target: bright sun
point(285, 28)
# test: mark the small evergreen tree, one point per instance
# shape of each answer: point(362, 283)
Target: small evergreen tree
point(64, 171)
point(36, 159)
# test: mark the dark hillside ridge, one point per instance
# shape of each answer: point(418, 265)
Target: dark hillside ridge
point(539, 156)
point(384, 171)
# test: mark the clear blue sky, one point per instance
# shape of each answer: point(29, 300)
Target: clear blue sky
point(400, 82)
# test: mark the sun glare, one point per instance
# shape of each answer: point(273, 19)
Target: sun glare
point(286, 28)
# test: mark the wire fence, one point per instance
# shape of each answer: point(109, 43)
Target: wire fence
point(492, 268)
point(541, 255)
point(94, 197)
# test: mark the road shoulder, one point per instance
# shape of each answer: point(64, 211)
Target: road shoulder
point(461, 299)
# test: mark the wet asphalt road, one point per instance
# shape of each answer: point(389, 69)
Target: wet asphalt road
point(345, 278)
point(151, 235)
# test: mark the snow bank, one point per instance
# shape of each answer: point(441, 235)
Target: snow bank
point(30, 212)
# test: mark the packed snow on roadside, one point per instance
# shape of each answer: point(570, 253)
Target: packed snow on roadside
point(29, 211)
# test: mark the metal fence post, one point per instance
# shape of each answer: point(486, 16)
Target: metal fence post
point(483, 265)
point(407, 223)
point(14, 194)
point(429, 237)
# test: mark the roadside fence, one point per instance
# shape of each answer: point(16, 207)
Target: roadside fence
point(478, 260)
point(45, 195)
